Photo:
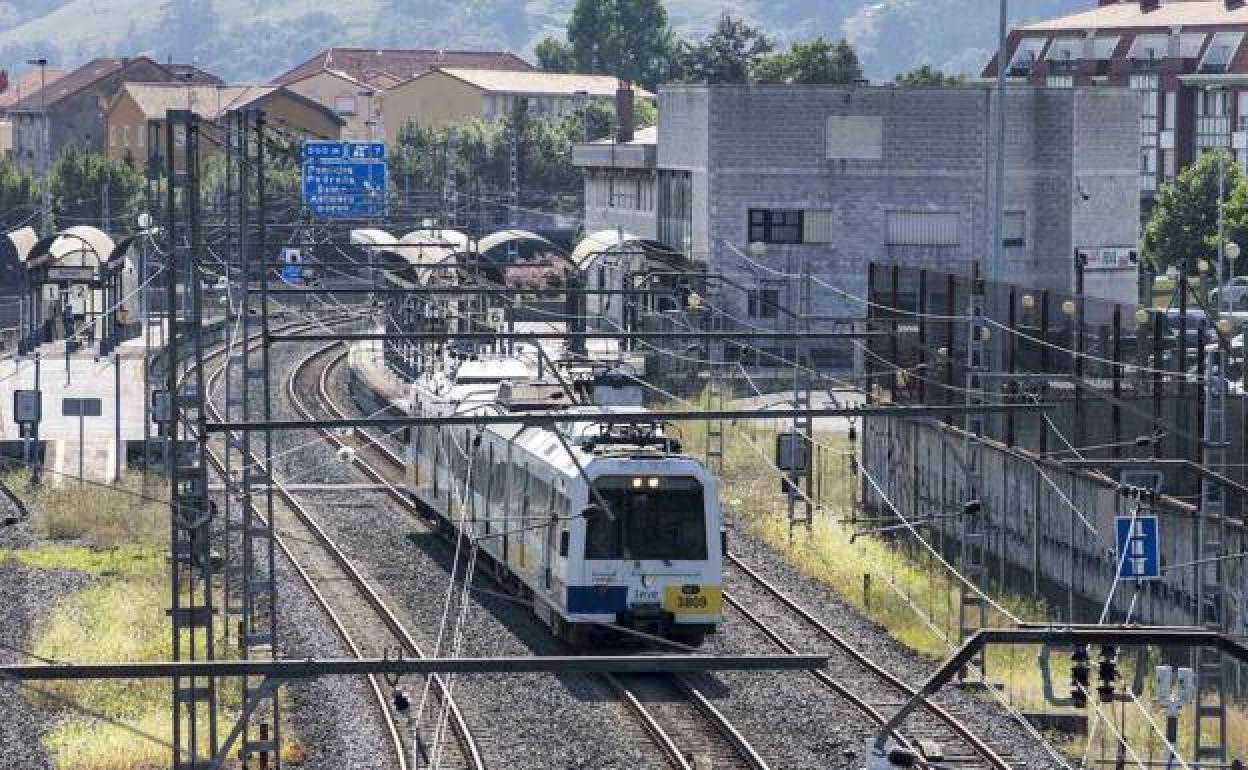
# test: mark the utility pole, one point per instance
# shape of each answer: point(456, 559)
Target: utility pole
point(105, 214)
point(44, 150)
point(998, 227)
point(191, 570)
point(972, 612)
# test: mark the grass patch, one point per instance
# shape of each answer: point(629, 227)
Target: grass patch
point(911, 594)
point(97, 515)
point(121, 538)
point(123, 561)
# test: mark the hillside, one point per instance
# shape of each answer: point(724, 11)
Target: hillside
point(243, 40)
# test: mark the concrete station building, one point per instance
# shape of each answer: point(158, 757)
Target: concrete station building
point(831, 178)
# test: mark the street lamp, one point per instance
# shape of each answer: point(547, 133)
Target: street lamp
point(44, 160)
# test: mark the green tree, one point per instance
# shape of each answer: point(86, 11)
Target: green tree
point(627, 38)
point(19, 198)
point(814, 61)
point(1183, 227)
point(727, 55)
point(78, 179)
point(927, 76)
point(554, 55)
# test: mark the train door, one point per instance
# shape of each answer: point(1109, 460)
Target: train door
point(491, 488)
point(437, 460)
point(552, 535)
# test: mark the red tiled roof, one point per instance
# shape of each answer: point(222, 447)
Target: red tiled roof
point(364, 64)
point(76, 81)
point(28, 84)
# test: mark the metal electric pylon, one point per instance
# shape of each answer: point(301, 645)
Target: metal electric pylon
point(191, 554)
point(1209, 736)
point(801, 509)
point(450, 192)
point(715, 428)
point(258, 637)
point(513, 182)
point(972, 611)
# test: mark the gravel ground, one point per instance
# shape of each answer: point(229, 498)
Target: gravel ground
point(332, 715)
point(789, 717)
point(794, 721)
point(986, 716)
point(25, 596)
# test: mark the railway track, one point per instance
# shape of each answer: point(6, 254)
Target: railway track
point(853, 675)
point(682, 723)
point(362, 620)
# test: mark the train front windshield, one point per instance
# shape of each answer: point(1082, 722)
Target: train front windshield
point(648, 517)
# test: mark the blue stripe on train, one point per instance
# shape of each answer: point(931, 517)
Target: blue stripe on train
point(597, 600)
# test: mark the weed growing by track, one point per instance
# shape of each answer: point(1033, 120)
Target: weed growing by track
point(119, 537)
point(900, 585)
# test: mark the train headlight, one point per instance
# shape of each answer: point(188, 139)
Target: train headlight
point(654, 483)
point(637, 483)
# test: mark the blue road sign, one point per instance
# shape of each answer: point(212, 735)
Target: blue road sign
point(340, 151)
point(344, 179)
point(1139, 548)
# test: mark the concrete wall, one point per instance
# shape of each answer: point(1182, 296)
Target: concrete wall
point(684, 145)
point(324, 88)
point(769, 149)
point(433, 99)
point(1035, 541)
point(603, 214)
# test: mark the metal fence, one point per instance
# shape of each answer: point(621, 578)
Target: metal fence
point(1120, 387)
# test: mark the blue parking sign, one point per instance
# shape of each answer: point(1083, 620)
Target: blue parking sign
point(1139, 547)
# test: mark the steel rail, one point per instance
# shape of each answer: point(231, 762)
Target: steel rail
point(390, 725)
point(666, 744)
point(467, 739)
point(977, 744)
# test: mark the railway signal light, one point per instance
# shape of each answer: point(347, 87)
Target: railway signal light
point(1107, 673)
point(1079, 676)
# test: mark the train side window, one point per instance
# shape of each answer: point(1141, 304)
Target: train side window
point(564, 541)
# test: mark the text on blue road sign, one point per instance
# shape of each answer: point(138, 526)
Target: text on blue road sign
point(1139, 547)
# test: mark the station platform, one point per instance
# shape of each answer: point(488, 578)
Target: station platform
point(94, 445)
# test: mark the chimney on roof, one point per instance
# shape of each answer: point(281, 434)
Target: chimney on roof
point(624, 119)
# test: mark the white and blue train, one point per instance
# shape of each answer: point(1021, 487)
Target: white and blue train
point(623, 531)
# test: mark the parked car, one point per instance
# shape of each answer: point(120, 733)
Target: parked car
point(1234, 294)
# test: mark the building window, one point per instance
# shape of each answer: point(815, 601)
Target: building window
point(1014, 230)
point(344, 105)
point(676, 209)
point(1060, 81)
point(763, 303)
point(625, 193)
point(1213, 120)
point(112, 136)
point(1148, 50)
point(138, 136)
point(923, 228)
point(775, 226)
point(1025, 56)
point(1221, 51)
point(125, 136)
point(1146, 87)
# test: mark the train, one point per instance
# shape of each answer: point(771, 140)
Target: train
point(608, 529)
